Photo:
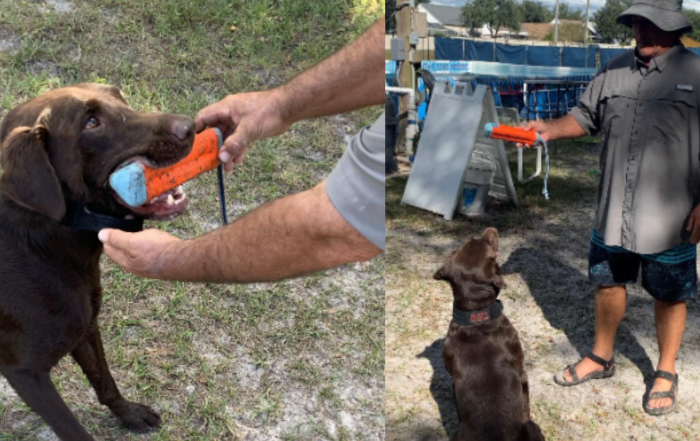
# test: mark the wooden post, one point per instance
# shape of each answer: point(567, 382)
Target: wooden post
point(403, 30)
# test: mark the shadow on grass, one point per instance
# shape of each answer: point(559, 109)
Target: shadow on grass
point(441, 386)
point(570, 312)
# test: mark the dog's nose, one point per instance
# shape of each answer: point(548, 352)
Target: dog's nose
point(183, 128)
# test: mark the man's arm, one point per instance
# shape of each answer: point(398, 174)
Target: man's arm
point(289, 237)
point(345, 81)
point(564, 127)
point(348, 80)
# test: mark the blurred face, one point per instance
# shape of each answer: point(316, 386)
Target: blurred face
point(651, 41)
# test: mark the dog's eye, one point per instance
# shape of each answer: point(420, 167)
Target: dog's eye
point(92, 123)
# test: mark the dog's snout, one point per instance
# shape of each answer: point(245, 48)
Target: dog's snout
point(183, 128)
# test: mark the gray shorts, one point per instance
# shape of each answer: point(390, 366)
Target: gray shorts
point(356, 184)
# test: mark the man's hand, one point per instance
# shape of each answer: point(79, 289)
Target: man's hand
point(140, 253)
point(694, 225)
point(539, 127)
point(244, 118)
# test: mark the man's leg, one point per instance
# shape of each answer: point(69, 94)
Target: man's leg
point(670, 325)
point(610, 305)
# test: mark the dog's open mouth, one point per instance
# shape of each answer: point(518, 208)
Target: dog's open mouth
point(167, 206)
point(164, 207)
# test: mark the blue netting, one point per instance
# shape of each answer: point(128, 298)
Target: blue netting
point(548, 101)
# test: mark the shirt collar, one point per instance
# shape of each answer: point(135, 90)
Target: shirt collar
point(658, 63)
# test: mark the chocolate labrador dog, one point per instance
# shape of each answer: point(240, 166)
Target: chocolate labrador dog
point(57, 152)
point(482, 351)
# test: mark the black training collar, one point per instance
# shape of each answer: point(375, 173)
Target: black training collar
point(469, 318)
point(81, 217)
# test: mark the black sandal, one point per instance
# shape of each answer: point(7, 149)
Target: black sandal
point(607, 372)
point(664, 394)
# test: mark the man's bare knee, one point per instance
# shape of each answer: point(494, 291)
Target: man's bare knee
point(611, 290)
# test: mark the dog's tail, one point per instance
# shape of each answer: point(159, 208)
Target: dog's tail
point(530, 432)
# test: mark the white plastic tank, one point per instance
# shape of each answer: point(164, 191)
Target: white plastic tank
point(475, 186)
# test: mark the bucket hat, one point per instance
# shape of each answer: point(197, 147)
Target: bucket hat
point(667, 15)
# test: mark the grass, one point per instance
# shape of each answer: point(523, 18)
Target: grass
point(220, 362)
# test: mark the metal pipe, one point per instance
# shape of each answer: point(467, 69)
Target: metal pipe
point(412, 126)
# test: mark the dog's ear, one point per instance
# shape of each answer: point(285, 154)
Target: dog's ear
point(491, 236)
point(28, 178)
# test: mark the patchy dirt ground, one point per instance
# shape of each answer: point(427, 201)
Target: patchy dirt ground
point(543, 255)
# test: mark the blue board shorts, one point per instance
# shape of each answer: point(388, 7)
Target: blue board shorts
point(669, 276)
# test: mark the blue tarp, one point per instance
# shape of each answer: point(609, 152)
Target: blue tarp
point(449, 49)
point(511, 54)
point(543, 56)
point(573, 57)
point(608, 54)
point(695, 50)
point(480, 51)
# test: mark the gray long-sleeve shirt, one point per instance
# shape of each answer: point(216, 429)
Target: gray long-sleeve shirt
point(650, 163)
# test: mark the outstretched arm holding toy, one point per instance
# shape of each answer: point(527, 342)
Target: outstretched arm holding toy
point(289, 237)
point(297, 234)
point(564, 127)
point(343, 82)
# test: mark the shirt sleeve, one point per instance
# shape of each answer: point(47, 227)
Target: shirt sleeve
point(586, 112)
point(356, 184)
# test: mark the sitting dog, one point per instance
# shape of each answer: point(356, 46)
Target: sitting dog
point(57, 153)
point(482, 351)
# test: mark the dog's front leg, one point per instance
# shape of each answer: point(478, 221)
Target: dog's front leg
point(526, 396)
point(91, 358)
point(37, 390)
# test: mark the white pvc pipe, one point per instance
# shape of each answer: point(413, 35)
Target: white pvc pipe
point(412, 126)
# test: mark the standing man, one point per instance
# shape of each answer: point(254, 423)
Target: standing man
point(338, 221)
point(646, 103)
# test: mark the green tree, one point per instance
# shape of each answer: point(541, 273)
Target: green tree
point(605, 23)
point(496, 14)
point(535, 12)
point(390, 17)
point(694, 18)
point(567, 13)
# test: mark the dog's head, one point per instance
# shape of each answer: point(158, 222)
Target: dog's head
point(473, 272)
point(64, 144)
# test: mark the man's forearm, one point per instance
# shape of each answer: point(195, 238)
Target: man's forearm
point(347, 80)
point(564, 127)
point(289, 237)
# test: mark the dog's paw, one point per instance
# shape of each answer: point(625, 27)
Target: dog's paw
point(137, 417)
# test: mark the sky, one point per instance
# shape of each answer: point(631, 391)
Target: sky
point(575, 4)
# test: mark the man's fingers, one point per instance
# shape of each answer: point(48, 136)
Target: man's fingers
point(691, 223)
point(214, 115)
point(116, 239)
point(695, 237)
point(235, 146)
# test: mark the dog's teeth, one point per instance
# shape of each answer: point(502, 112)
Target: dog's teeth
point(171, 199)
